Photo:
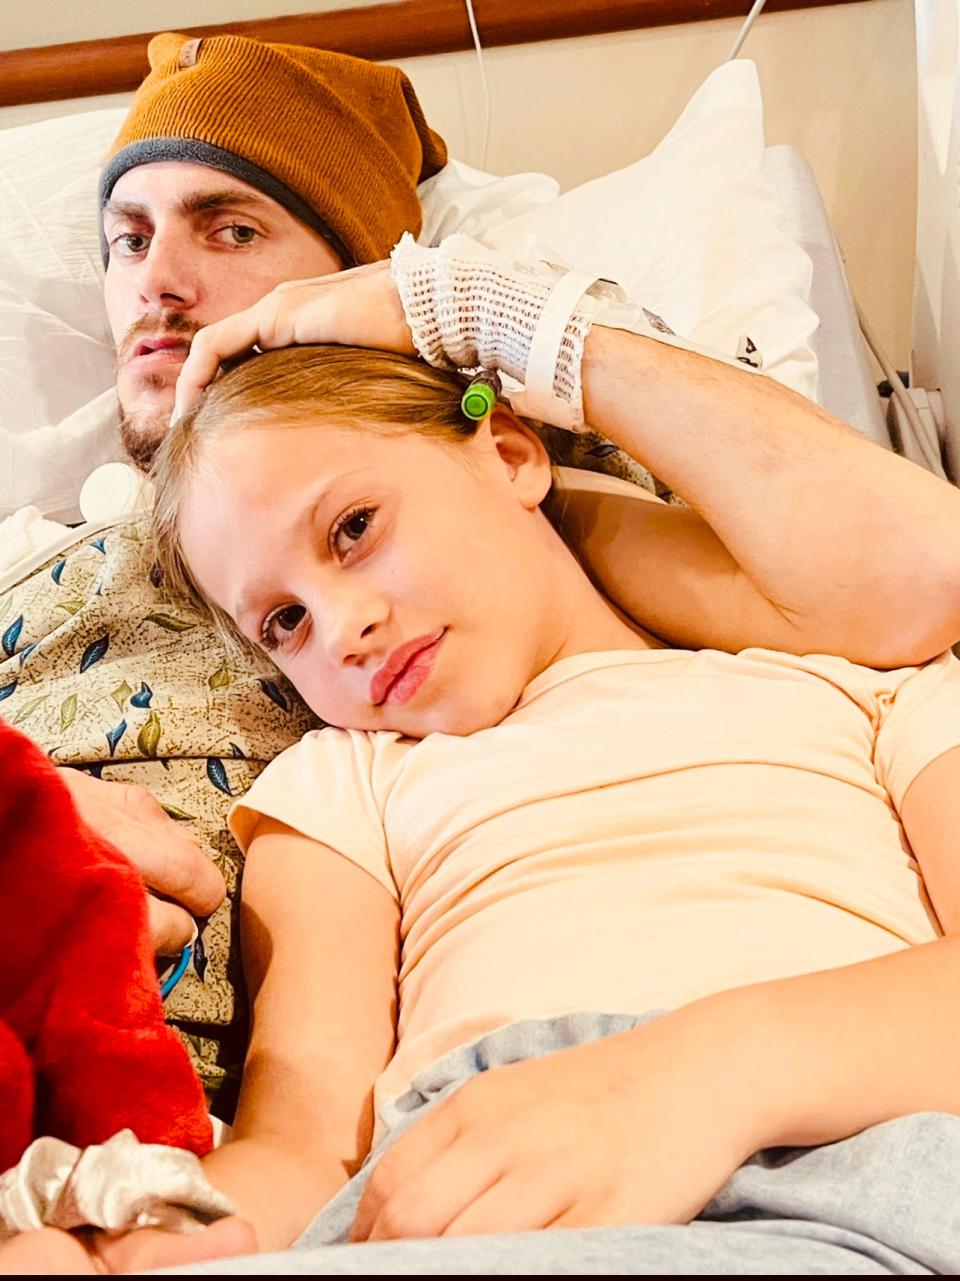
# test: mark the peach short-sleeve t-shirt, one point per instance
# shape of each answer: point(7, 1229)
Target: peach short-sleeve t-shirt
point(644, 828)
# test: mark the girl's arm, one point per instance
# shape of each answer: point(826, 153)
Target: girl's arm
point(930, 814)
point(809, 537)
point(320, 951)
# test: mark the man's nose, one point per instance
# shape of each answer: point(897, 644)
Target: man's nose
point(169, 277)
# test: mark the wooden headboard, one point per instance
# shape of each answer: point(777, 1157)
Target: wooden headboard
point(401, 29)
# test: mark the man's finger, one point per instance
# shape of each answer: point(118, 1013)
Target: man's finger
point(177, 867)
point(168, 859)
point(210, 348)
point(171, 928)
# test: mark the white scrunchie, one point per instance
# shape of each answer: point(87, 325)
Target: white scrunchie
point(118, 1185)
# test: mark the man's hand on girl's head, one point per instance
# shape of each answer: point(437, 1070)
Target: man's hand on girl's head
point(355, 308)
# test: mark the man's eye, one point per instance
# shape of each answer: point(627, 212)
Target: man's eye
point(128, 243)
point(281, 624)
point(237, 233)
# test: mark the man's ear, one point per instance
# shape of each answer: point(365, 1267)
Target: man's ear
point(523, 455)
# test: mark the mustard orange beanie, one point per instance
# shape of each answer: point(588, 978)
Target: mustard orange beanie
point(339, 142)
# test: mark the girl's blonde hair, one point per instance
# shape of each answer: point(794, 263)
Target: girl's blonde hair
point(353, 387)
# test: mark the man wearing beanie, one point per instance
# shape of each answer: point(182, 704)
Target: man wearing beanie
point(242, 165)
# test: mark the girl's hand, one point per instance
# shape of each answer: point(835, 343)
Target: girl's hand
point(50, 1251)
point(642, 1127)
point(356, 308)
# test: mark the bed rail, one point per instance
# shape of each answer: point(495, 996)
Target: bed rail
point(401, 29)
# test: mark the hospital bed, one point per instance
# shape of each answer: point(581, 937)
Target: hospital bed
point(63, 427)
point(720, 234)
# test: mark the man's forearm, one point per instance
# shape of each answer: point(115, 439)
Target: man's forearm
point(825, 523)
point(843, 1049)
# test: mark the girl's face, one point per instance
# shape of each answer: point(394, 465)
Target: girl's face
point(399, 581)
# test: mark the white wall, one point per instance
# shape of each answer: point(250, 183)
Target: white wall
point(24, 25)
point(839, 83)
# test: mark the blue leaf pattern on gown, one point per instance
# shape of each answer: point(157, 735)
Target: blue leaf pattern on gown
point(114, 736)
point(57, 570)
point(94, 652)
point(25, 653)
point(237, 752)
point(274, 694)
point(99, 542)
point(12, 635)
point(199, 957)
point(217, 775)
point(7, 690)
point(143, 696)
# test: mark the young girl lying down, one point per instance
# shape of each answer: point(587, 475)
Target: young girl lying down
point(562, 925)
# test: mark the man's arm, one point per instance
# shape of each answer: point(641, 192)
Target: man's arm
point(812, 538)
point(822, 540)
point(320, 950)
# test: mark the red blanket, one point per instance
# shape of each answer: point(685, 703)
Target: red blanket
point(83, 1047)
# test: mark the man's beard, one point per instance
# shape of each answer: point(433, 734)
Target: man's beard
point(141, 434)
point(142, 431)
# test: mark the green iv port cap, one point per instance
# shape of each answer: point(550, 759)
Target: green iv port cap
point(478, 400)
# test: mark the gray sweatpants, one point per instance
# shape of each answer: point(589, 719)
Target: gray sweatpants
point(885, 1201)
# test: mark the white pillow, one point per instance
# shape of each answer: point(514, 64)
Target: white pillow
point(691, 231)
point(57, 413)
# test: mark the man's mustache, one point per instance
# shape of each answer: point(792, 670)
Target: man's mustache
point(164, 325)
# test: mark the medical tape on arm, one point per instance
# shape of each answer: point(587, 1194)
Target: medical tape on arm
point(538, 398)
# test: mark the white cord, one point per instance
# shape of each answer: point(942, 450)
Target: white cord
point(483, 80)
point(744, 31)
point(927, 441)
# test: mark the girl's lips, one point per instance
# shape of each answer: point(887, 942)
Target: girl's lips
point(405, 670)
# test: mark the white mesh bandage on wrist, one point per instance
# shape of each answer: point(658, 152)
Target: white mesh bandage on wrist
point(468, 308)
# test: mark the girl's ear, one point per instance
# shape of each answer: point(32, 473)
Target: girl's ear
point(522, 453)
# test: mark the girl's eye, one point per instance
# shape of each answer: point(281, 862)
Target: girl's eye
point(352, 528)
point(281, 624)
point(240, 234)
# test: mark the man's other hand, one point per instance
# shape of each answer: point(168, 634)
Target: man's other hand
point(170, 862)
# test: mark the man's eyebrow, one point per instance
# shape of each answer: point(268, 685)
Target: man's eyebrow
point(199, 202)
point(229, 198)
point(126, 209)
